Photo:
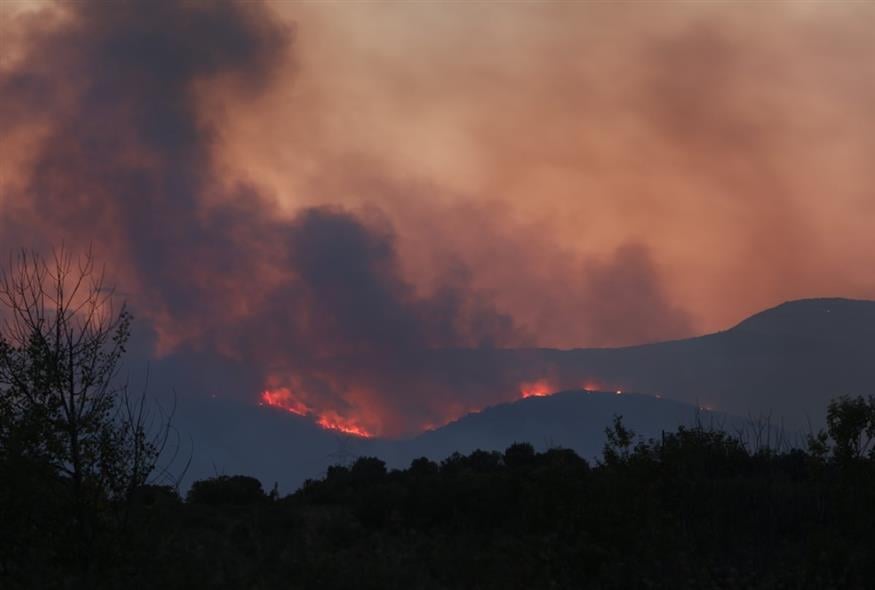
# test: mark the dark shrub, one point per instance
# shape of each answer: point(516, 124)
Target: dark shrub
point(226, 489)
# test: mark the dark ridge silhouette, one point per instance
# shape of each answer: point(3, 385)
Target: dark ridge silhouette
point(695, 507)
point(788, 361)
point(807, 317)
point(781, 365)
point(569, 419)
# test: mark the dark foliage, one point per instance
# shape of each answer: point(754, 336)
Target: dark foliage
point(75, 445)
point(694, 509)
point(238, 490)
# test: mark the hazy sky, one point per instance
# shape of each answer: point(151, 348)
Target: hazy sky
point(703, 159)
point(296, 185)
point(727, 145)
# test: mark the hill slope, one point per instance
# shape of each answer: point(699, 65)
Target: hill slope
point(569, 419)
point(787, 361)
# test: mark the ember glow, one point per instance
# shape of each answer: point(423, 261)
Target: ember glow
point(339, 424)
point(594, 385)
point(278, 185)
point(545, 387)
point(540, 388)
point(284, 399)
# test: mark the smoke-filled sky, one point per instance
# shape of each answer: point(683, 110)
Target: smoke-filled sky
point(322, 190)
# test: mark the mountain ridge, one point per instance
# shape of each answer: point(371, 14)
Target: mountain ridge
point(786, 362)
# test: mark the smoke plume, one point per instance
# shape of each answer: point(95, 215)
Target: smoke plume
point(281, 186)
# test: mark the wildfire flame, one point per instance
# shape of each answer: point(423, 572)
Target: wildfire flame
point(544, 387)
point(540, 388)
point(284, 399)
point(592, 385)
point(341, 425)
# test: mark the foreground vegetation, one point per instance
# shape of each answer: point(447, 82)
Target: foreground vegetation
point(694, 509)
point(697, 508)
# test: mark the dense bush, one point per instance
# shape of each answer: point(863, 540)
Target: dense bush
point(237, 490)
point(696, 508)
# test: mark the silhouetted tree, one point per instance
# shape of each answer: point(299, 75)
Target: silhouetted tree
point(519, 455)
point(851, 426)
point(62, 404)
point(619, 442)
point(368, 469)
point(236, 490)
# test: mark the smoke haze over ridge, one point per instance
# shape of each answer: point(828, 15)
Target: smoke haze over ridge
point(323, 191)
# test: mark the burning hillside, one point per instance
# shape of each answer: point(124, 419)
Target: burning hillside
point(284, 399)
point(219, 163)
point(361, 420)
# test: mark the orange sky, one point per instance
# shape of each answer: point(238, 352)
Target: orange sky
point(608, 173)
point(732, 140)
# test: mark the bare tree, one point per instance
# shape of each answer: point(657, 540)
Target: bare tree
point(63, 335)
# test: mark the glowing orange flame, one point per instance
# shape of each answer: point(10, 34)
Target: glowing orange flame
point(284, 399)
point(341, 425)
point(540, 388)
point(362, 417)
point(593, 385)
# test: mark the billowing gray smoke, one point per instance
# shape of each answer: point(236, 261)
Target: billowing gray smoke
point(316, 303)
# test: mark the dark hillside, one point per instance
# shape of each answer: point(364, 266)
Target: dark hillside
point(694, 508)
point(788, 361)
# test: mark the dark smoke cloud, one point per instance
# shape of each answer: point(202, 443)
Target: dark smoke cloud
point(732, 140)
point(126, 161)
point(624, 300)
point(612, 299)
point(317, 301)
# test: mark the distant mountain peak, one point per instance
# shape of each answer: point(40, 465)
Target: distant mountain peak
point(807, 316)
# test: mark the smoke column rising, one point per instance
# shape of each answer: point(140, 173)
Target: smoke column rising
point(281, 186)
point(125, 162)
